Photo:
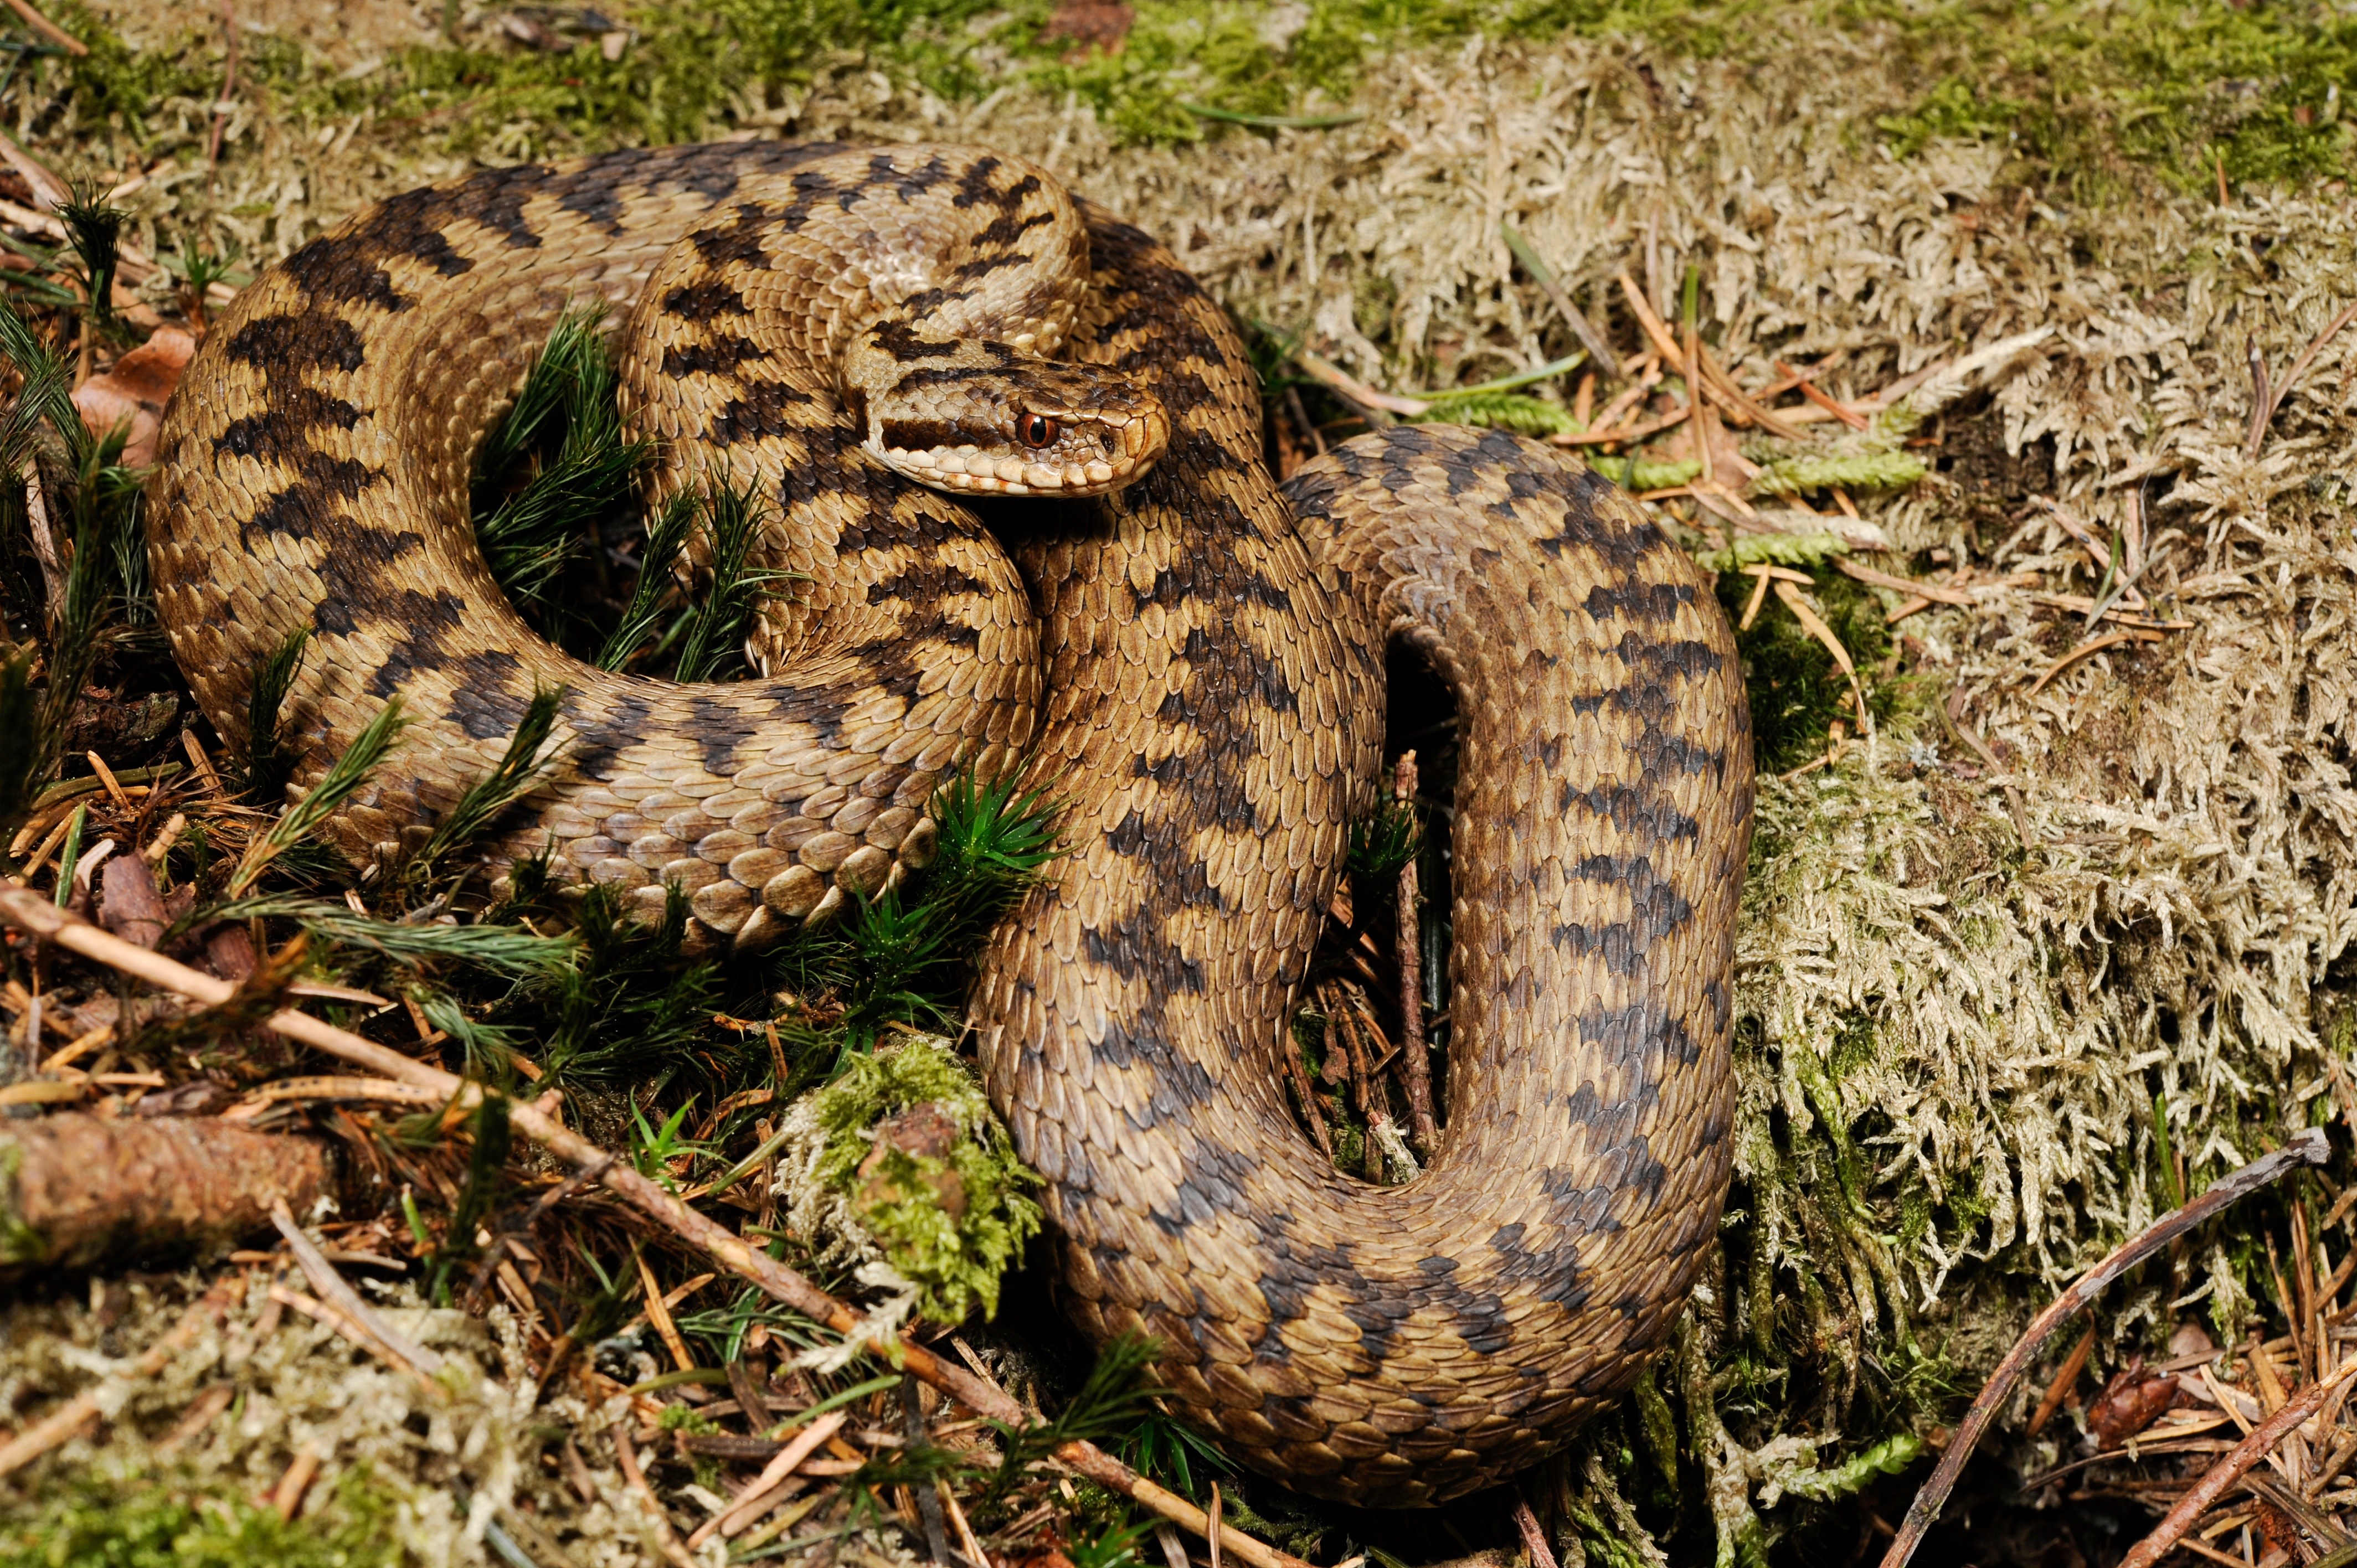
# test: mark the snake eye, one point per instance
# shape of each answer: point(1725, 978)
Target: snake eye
point(1035, 430)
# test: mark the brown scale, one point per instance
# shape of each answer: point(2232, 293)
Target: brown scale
point(1207, 671)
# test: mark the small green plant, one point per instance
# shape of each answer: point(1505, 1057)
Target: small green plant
point(518, 772)
point(712, 646)
point(556, 465)
point(269, 761)
point(900, 958)
point(342, 781)
point(651, 595)
point(486, 1179)
point(94, 230)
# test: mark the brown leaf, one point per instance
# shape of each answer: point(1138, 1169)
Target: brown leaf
point(135, 390)
point(128, 904)
point(1093, 26)
point(2131, 1401)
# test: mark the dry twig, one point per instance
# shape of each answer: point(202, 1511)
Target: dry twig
point(2311, 1148)
point(48, 30)
point(2263, 1441)
point(1415, 1070)
point(30, 912)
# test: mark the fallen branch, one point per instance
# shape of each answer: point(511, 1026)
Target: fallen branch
point(2311, 1148)
point(85, 1407)
point(2262, 1442)
point(83, 1188)
point(32, 913)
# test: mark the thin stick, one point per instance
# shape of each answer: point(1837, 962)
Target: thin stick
point(229, 85)
point(1415, 1069)
point(353, 1331)
point(2064, 1380)
point(1534, 1539)
point(768, 1489)
point(85, 1407)
point(332, 1287)
point(30, 912)
point(2311, 1148)
point(1307, 1093)
point(627, 1457)
point(2306, 358)
point(42, 24)
point(2233, 1467)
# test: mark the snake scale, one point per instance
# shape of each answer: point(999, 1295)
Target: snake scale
point(1192, 656)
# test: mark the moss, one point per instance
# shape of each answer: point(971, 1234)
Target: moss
point(87, 1523)
point(2078, 94)
point(954, 1258)
point(2167, 85)
point(1796, 691)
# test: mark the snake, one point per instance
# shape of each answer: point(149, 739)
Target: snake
point(1011, 465)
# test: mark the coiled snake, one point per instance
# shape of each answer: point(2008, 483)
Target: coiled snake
point(1195, 658)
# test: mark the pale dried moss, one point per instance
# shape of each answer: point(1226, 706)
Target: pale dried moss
point(427, 1477)
point(1968, 1030)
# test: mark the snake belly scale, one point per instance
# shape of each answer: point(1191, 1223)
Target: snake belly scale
point(1192, 656)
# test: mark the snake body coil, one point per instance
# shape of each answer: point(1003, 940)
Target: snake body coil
point(1198, 670)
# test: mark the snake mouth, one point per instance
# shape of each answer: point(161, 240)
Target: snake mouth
point(1083, 456)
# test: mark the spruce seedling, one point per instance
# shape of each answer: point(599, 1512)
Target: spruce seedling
point(507, 952)
point(518, 771)
point(485, 1176)
point(94, 230)
point(529, 536)
point(665, 540)
point(295, 823)
point(268, 761)
point(712, 647)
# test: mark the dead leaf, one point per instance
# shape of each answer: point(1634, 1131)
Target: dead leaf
point(135, 390)
point(129, 905)
point(2131, 1401)
point(1093, 26)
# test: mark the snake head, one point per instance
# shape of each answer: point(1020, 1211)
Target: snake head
point(1007, 426)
